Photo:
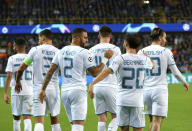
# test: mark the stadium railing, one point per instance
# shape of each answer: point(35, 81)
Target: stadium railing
point(86, 20)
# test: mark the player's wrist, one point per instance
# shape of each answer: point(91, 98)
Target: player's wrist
point(104, 61)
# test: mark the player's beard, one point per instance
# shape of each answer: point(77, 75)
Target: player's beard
point(82, 44)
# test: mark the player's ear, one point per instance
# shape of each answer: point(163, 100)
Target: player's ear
point(99, 36)
point(111, 36)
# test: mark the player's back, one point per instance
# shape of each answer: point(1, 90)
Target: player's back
point(72, 61)
point(162, 58)
point(130, 79)
point(98, 52)
point(27, 78)
point(42, 56)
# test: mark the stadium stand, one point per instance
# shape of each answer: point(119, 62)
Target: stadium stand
point(94, 11)
point(29, 12)
point(180, 44)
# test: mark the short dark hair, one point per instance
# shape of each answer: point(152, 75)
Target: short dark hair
point(105, 31)
point(133, 40)
point(155, 33)
point(77, 32)
point(20, 43)
point(47, 33)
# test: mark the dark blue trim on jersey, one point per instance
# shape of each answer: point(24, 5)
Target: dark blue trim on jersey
point(131, 126)
point(111, 70)
point(122, 57)
point(171, 64)
point(81, 50)
point(16, 65)
point(27, 114)
point(90, 67)
point(54, 64)
point(105, 112)
point(156, 115)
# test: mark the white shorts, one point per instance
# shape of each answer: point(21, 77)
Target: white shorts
point(104, 100)
point(75, 103)
point(131, 116)
point(156, 102)
point(51, 103)
point(21, 105)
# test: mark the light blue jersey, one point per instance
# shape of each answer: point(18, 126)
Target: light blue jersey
point(42, 56)
point(129, 69)
point(98, 52)
point(162, 58)
point(73, 62)
point(27, 78)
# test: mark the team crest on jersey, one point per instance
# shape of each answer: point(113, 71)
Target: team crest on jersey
point(90, 59)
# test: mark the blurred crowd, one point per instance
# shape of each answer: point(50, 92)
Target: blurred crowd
point(179, 43)
point(57, 11)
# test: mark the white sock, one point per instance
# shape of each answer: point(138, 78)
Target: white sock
point(101, 126)
point(56, 127)
point(112, 125)
point(27, 125)
point(16, 125)
point(39, 127)
point(77, 127)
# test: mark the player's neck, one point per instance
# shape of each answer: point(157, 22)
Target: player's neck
point(75, 43)
point(131, 51)
point(156, 43)
point(105, 40)
point(48, 42)
point(21, 52)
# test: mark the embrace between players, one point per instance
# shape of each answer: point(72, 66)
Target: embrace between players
point(123, 83)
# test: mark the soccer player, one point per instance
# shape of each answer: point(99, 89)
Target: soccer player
point(74, 60)
point(130, 69)
point(105, 98)
point(41, 57)
point(155, 82)
point(21, 104)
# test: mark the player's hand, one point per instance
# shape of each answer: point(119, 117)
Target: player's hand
point(18, 87)
point(153, 64)
point(108, 54)
point(91, 94)
point(7, 98)
point(42, 96)
point(186, 86)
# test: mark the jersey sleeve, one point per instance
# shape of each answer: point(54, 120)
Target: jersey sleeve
point(93, 55)
point(140, 52)
point(170, 58)
point(31, 54)
point(118, 51)
point(56, 59)
point(88, 59)
point(9, 67)
point(116, 63)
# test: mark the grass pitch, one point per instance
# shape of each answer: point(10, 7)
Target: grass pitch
point(179, 113)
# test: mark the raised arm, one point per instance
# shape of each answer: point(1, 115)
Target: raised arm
point(99, 78)
point(7, 84)
point(46, 81)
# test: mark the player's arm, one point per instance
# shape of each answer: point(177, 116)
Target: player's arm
point(99, 78)
point(94, 71)
point(178, 75)
point(46, 81)
point(20, 71)
point(7, 84)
